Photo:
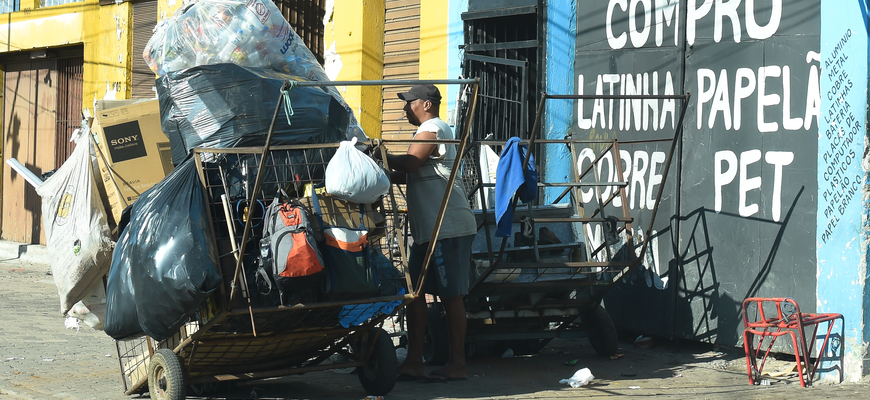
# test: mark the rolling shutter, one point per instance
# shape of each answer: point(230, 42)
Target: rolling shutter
point(401, 62)
point(144, 20)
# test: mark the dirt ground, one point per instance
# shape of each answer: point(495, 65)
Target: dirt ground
point(671, 370)
point(41, 359)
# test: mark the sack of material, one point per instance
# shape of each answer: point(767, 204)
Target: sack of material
point(225, 105)
point(350, 265)
point(76, 230)
point(353, 176)
point(249, 33)
point(348, 259)
point(289, 252)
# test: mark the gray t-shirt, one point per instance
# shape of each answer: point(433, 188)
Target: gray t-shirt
point(426, 190)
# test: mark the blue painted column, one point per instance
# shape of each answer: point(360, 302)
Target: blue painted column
point(841, 230)
point(561, 26)
point(455, 38)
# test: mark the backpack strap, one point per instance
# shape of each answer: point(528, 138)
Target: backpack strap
point(315, 206)
point(261, 272)
point(362, 216)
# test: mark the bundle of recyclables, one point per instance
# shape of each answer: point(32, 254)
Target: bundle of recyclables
point(222, 68)
point(317, 246)
point(248, 33)
point(305, 247)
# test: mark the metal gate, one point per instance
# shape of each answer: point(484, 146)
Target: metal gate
point(501, 49)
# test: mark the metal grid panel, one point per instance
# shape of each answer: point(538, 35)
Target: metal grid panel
point(69, 106)
point(230, 174)
point(503, 52)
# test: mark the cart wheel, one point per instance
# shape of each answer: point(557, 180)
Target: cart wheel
point(378, 375)
point(602, 334)
point(165, 377)
point(436, 348)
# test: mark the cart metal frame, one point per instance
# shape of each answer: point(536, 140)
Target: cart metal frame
point(230, 337)
point(524, 305)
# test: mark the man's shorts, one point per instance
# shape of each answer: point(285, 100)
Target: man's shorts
point(449, 270)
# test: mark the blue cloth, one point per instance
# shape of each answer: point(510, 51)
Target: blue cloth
point(510, 179)
point(358, 314)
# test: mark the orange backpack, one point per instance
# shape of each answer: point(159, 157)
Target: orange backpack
point(288, 245)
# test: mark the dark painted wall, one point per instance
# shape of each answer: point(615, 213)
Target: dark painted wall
point(738, 215)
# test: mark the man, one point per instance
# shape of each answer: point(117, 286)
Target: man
point(426, 167)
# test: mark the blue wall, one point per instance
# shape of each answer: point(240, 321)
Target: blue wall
point(454, 55)
point(841, 236)
point(561, 27)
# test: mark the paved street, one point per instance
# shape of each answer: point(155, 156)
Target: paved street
point(41, 359)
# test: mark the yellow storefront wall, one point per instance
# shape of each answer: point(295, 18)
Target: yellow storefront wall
point(433, 44)
point(357, 31)
point(104, 32)
point(356, 28)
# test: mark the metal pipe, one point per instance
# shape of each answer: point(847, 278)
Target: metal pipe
point(29, 176)
point(388, 82)
point(257, 182)
point(677, 137)
point(618, 97)
point(535, 128)
point(454, 172)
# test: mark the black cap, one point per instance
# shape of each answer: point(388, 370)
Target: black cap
point(422, 92)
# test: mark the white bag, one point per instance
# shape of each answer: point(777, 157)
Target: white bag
point(355, 177)
point(74, 219)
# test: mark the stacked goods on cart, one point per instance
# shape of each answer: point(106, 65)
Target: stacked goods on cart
point(223, 69)
point(316, 245)
point(249, 33)
point(77, 234)
point(226, 105)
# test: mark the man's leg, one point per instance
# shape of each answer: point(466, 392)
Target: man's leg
point(416, 313)
point(457, 322)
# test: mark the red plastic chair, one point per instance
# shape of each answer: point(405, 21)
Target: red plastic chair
point(789, 320)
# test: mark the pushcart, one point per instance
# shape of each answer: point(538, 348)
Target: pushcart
point(240, 333)
point(563, 256)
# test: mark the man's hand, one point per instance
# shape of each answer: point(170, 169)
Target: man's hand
point(377, 154)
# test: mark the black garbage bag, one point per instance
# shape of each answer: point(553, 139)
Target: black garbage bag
point(122, 320)
point(226, 105)
point(165, 264)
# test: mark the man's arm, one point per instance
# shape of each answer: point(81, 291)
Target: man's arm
point(417, 154)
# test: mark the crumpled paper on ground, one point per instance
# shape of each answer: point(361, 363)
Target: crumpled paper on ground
point(580, 378)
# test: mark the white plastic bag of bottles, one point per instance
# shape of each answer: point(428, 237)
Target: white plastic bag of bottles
point(249, 33)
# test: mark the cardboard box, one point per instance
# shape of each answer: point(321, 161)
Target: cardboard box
point(132, 151)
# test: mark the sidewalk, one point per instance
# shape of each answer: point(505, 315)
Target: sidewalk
point(41, 359)
point(27, 253)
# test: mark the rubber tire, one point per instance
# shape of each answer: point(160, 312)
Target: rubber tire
point(602, 333)
point(436, 347)
point(165, 376)
point(378, 375)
